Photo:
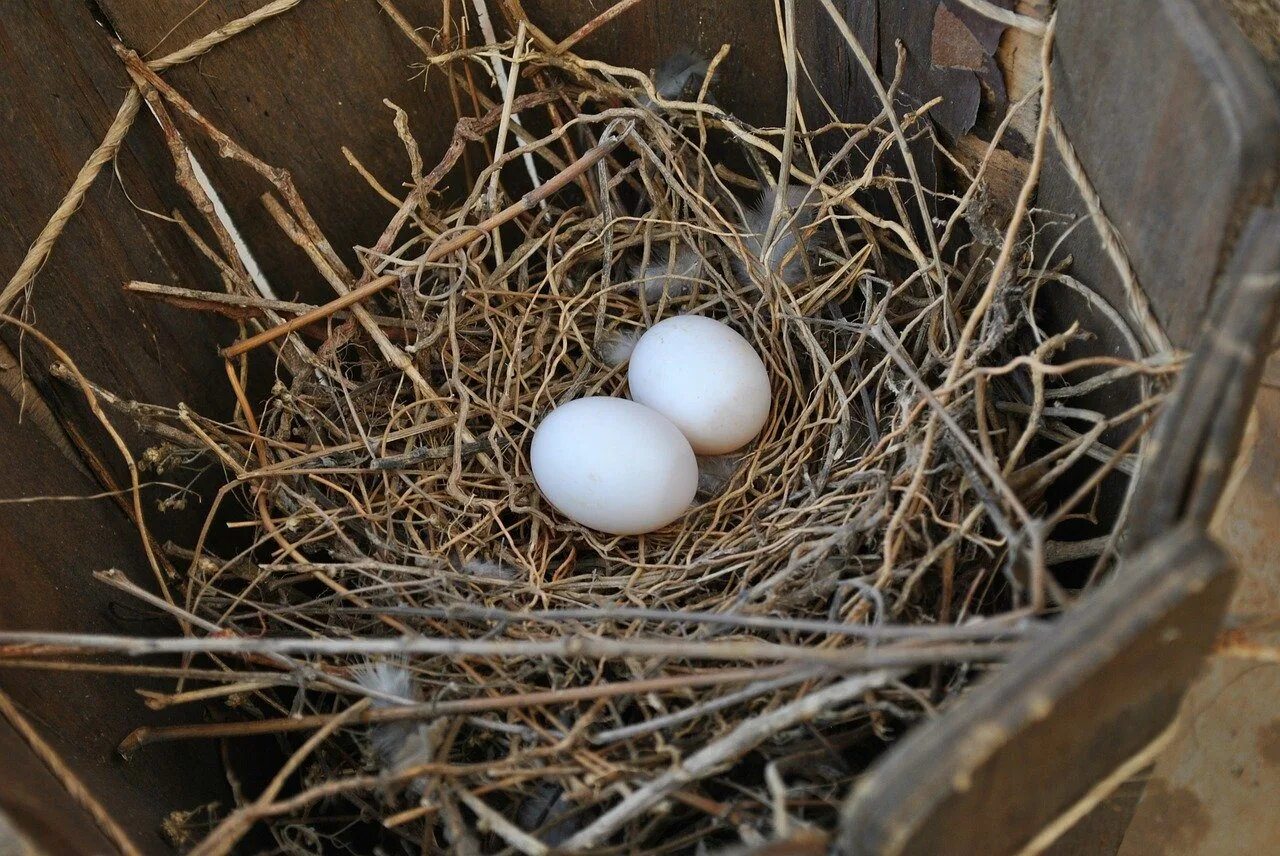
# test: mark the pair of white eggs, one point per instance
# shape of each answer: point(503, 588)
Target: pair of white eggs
point(626, 467)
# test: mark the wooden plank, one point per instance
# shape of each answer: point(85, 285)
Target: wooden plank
point(1201, 428)
point(37, 816)
point(1019, 752)
point(1214, 789)
point(1101, 832)
point(1178, 144)
point(750, 82)
point(63, 87)
point(47, 552)
point(66, 85)
point(294, 91)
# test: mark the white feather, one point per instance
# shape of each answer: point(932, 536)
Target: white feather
point(615, 348)
point(383, 679)
point(714, 473)
point(673, 275)
point(397, 745)
point(488, 570)
point(783, 257)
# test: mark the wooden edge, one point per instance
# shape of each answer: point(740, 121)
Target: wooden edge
point(1177, 125)
point(1028, 746)
point(1200, 430)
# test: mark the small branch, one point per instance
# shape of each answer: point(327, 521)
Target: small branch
point(472, 234)
point(501, 827)
point(1007, 17)
point(718, 754)
point(506, 83)
point(594, 24)
point(243, 306)
point(24, 643)
point(450, 707)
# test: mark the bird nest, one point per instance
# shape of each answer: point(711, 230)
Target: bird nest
point(470, 668)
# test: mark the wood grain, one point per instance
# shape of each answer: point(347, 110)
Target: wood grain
point(1203, 423)
point(37, 818)
point(63, 87)
point(49, 550)
point(1178, 144)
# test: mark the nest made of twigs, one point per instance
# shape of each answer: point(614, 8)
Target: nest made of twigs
point(548, 684)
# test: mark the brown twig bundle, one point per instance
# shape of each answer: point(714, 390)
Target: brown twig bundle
point(528, 683)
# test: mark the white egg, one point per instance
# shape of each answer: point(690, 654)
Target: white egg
point(704, 377)
point(614, 465)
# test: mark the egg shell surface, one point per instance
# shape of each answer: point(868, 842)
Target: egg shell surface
point(613, 465)
point(706, 378)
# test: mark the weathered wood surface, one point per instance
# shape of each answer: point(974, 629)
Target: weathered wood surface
point(1024, 748)
point(63, 87)
point(47, 552)
point(1202, 426)
point(748, 82)
point(37, 817)
point(1214, 790)
point(294, 91)
point(1178, 128)
point(66, 86)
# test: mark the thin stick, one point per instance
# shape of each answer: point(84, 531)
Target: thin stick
point(25, 643)
point(1126, 770)
point(235, 825)
point(526, 203)
point(904, 148)
point(500, 144)
point(658, 723)
point(144, 736)
point(160, 701)
point(69, 780)
point(501, 827)
point(205, 43)
point(505, 83)
point(594, 24)
point(979, 630)
point(1149, 328)
point(719, 753)
point(240, 306)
